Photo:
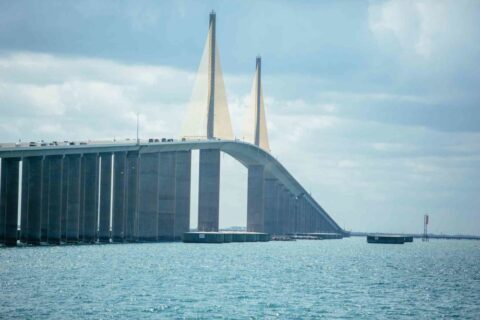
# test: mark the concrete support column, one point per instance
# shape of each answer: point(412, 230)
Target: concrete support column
point(324, 225)
point(286, 211)
point(148, 197)
point(301, 215)
point(166, 196)
point(131, 221)
point(269, 187)
point(81, 217)
point(308, 212)
point(209, 190)
point(297, 214)
point(33, 165)
point(90, 197)
point(24, 209)
point(182, 193)
point(291, 213)
point(119, 193)
point(73, 197)
point(63, 219)
point(288, 216)
point(9, 201)
point(278, 208)
point(309, 219)
point(54, 200)
point(314, 219)
point(255, 199)
point(105, 197)
point(44, 218)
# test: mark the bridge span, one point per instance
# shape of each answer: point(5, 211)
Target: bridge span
point(141, 191)
point(67, 192)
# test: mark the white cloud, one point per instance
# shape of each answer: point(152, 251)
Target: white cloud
point(425, 28)
point(69, 95)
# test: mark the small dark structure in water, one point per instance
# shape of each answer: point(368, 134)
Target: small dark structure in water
point(316, 236)
point(391, 239)
point(224, 237)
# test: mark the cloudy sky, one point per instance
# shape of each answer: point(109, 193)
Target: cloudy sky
point(372, 105)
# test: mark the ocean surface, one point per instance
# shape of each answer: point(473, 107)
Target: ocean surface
point(330, 279)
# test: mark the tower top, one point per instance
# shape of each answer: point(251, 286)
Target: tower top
point(207, 116)
point(255, 121)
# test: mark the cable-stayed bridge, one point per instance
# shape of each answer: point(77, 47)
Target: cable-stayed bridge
point(140, 191)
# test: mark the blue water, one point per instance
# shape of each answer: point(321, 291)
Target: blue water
point(346, 279)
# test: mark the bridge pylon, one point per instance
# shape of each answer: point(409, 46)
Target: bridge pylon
point(207, 115)
point(255, 122)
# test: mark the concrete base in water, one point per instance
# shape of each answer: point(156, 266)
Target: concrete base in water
point(224, 237)
point(316, 236)
point(389, 239)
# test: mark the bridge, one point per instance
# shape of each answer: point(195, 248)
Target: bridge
point(139, 191)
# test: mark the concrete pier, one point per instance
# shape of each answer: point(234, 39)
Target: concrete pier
point(90, 197)
point(63, 213)
point(81, 217)
point(73, 198)
point(297, 214)
point(269, 186)
point(55, 171)
point(209, 190)
point(280, 211)
point(166, 196)
point(44, 218)
point(9, 201)
point(148, 197)
point(255, 199)
point(292, 214)
point(33, 165)
point(119, 193)
point(182, 193)
point(277, 208)
point(105, 194)
point(24, 205)
point(131, 220)
point(301, 216)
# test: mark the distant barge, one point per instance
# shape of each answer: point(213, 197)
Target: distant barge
point(390, 239)
point(224, 237)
